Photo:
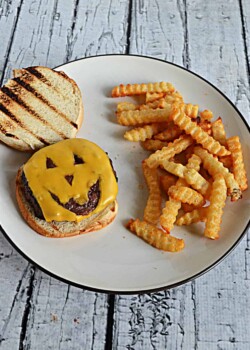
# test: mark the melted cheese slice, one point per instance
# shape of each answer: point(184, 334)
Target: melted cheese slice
point(45, 181)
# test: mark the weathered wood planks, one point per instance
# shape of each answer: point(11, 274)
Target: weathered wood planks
point(39, 312)
point(207, 38)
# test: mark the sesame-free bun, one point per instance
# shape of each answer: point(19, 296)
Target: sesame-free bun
point(54, 229)
point(39, 107)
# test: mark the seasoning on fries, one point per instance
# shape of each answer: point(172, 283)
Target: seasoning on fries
point(192, 163)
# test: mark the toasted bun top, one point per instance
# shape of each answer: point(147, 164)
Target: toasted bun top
point(49, 169)
point(39, 107)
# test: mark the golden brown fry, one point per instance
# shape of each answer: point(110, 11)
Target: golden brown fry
point(186, 124)
point(176, 169)
point(214, 166)
point(189, 109)
point(171, 150)
point(173, 97)
point(191, 217)
point(187, 207)
point(166, 181)
point(169, 134)
point(227, 161)
point(206, 115)
point(170, 211)
point(169, 214)
point(205, 125)
point(139, 89)
point(138, 117)
point(153, 145)
point(126, 106)
point(152, 210)
point(150, 105)
point(239, 170)
point(186, 195)
point(153, 96)
point(144, 132)
point(215, 209)
point(194, 162)
point(218, 132)
point(197, 181)
point(155, 237)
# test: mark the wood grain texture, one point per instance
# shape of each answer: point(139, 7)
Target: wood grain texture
point(209, 39)
point(212, 312)
point(37, 311)
point(64, 317)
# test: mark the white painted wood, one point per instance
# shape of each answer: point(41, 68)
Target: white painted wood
point(14, 282)
point(215, 305)
point(65, 317)
point(37, 311)
point(9, 11)
point(158, 30)
point(44, 313)
point(100, 28)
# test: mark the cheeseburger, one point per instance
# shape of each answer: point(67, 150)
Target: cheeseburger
point(67, 189)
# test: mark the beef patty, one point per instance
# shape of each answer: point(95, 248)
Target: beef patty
point(72, 205)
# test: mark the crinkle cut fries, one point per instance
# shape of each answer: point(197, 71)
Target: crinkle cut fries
point(193, 164)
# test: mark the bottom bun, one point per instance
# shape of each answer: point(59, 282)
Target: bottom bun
point(58, 229)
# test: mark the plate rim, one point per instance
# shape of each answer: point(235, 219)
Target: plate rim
point(150, 290)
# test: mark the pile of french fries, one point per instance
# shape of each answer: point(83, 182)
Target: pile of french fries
point(193, 164)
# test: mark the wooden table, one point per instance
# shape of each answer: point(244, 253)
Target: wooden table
point(210, 38)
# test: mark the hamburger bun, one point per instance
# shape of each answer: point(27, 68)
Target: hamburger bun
point(44, 193)
point(39, 107)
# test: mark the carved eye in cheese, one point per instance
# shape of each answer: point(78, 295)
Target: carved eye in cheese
point(67, 170)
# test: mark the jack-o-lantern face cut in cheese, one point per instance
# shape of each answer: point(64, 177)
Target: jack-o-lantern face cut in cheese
point(69, 181)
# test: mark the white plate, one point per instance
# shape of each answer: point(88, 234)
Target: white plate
point(113, 259)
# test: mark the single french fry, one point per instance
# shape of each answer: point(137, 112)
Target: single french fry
point(239, 170)
point(189, 109)
point(169, 214)
point(140, 89)
point(195, 180)
point(214, 166)
point(218, 132)
point(167, 180)
point(155, 237)
point(150, 105)
point(153, 145)
point(152, 210)
point(194, 162)
point(186, 124)
point(191, 217)
point(206, 115)
point(176, 169)
point(186, 195)
point(173, 148)
point(126, 106)
point(139, 117)
point(169, 134)
point(215, 209)
point(144, 132)
point(153, 96)
point(173, 97)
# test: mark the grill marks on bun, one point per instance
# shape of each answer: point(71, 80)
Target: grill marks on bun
point(39, 107)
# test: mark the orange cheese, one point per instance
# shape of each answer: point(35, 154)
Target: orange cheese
point(45, 181)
